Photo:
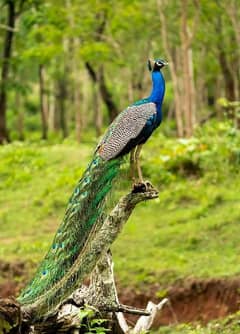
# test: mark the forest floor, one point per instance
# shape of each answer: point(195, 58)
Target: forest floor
point(184, 245)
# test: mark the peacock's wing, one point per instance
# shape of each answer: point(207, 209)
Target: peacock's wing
point(127, 126)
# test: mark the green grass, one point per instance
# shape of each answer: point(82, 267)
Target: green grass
point(229, 325)
point(192, 230)
point(36, 182)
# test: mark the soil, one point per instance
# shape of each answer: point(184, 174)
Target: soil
point(189, 300)
point(12, 278)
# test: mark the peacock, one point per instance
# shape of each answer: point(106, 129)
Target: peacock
point(57, 274)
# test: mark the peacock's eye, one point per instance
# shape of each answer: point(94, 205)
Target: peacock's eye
point(159, 63)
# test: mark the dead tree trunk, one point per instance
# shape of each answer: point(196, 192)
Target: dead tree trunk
point(101, 294)
point(7, 48)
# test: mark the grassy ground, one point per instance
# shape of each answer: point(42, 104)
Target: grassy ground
point(229, 325)
point(191, 230)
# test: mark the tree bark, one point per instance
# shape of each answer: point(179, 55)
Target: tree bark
point(60, 103)
point(54, 119)
point(7, 48)
point(228, 78)
point(100, 296)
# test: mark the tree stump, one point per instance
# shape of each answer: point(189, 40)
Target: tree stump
point(99, 300)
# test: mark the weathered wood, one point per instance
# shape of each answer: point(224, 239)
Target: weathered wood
point(94, 250)
point(100, 295)
point(10, 315)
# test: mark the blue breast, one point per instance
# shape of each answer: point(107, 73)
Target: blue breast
point(154, 121)
point(156, 97)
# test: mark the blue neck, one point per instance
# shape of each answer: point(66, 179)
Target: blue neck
point(158, 89)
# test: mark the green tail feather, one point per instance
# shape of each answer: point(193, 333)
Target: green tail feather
point(85, 210)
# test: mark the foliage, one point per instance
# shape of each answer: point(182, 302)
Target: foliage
point(118, 37)
point(214, 149)
point(92, 325)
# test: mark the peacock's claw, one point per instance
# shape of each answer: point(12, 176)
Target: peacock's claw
point(142, 187)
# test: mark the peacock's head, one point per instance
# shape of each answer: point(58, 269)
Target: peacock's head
point(156, 65)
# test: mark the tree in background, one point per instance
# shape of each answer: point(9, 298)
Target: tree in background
point(5, 66)
point(75, 64)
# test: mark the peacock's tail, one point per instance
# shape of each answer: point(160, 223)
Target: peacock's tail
point(85, 213)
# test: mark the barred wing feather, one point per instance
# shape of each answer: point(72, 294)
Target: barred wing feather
point(127, 126)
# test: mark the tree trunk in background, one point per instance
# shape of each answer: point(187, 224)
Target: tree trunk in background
point(223, 61)
point(51, 116)
point(77, 93)
point(76, 84)
point(53, 119)
point(20, 117)
point(138, 77)
point(173, 71)
point(42, 102)
point(192, 89)
point(104, 90)
point(78, 115)
point(233, 13)
point(107, 96)
point(100, 79)
point(202, 88)
point(62, 95)
point(7, 48)
point(188, 80)
point(98, 119)
point(228, 77)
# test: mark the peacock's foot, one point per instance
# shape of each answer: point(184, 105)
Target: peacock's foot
point(142, 187)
